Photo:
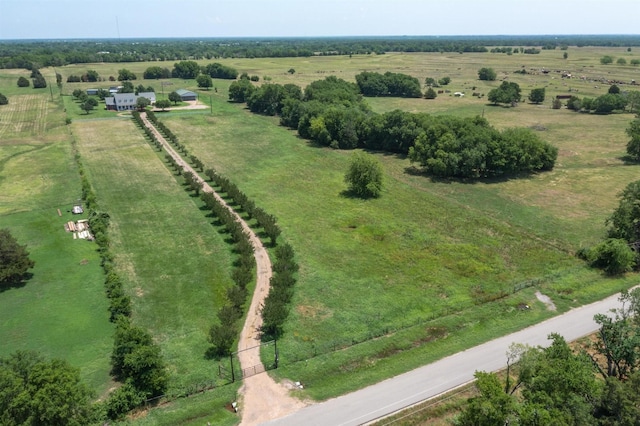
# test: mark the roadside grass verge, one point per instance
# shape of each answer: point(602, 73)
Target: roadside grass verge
point(175, 263)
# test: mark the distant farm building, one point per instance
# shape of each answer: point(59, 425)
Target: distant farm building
point(127, 101)
point(92, 92)
point(187, 95)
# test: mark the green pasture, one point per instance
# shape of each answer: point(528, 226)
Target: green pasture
point(426, 249)
point(61, 311)
point(175, 263)
point(385, 285)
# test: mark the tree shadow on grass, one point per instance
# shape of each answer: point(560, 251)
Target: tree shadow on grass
point(416, 171)
point(16, 283)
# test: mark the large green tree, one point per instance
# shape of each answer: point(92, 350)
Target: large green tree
point(3, 100)
point(204, 81)
point(506, 93)
point(487, 74)
point(633, 146)
point(35, 391)
point(174, 97)
point(364, 176)
point(14, 260)
point(126, 75)
point(537, 95)
point(624, 222)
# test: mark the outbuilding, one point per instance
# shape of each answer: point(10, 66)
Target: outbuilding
point(92, 92)
point(187, 95)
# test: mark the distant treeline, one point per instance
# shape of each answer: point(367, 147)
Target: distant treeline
point(42, 53)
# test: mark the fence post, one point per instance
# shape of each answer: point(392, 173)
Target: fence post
point(233, 375)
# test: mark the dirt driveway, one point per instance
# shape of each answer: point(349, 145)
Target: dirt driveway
point(261, 398)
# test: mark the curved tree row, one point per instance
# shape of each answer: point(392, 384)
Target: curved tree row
point(223, 333)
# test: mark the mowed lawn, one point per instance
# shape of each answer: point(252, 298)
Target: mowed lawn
point(175, 263)
point(61, 311)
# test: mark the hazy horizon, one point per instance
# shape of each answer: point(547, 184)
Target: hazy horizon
point(119, 19)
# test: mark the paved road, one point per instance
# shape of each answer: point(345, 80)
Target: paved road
point(426, 382)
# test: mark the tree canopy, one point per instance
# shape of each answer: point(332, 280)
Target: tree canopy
point(36, 391)
point(185, 69)
point(388, 84)
point(204, 81)
point(3, 99)
point(23, 82)
point(126, 75)
point(487, 74)
point(364, 176)
point(506, 93)
point(14, 260)
point(537, 95)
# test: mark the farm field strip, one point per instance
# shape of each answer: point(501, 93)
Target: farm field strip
point(175, 264)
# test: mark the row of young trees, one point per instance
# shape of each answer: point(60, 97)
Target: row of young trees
point(331, 112)
point(596, 385)
point(275, 309)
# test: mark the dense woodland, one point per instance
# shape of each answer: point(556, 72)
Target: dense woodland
point(42, 53)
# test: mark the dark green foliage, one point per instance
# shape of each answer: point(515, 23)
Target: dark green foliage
point(458, 147)
point(388, 84)
point(613, 256)
point(608, 103)
point(156, 72)
point(163, 103)
point(23, 82)
point(74, 79)
point(185, 69)
point(136, 358)
point(606, 60)
point(35, 391)
point(614, 89)
point(537, 95)
point(122, 400)
point(14, 260)
point(364, 176)
point(507, 93)
point(204, 81)
point(633, 146)
point(126, 75)
point(221, 338)
point(174, 97)
point(268, 99)
point(39, 81)
point(217, 70)
point(487, 74)
point(430, 93)
point(3, 100)
point(557, 387)
point(241, 90)
point(624, 222)
point(91, 76)
point(491, 407)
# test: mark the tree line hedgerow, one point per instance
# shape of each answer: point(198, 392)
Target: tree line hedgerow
point(331, 112)
point(224, 332)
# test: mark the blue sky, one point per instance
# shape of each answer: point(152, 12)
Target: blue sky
point(20, 19)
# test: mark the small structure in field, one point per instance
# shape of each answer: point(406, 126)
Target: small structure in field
point(187, 95)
